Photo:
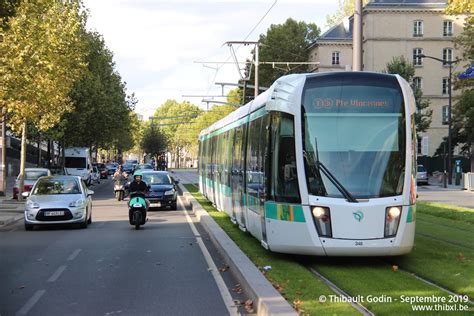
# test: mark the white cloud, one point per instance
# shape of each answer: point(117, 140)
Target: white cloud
point(155, 43)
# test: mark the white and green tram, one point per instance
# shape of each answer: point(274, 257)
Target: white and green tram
point(319, 164)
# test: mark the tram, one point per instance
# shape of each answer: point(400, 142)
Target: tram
point(319, 164)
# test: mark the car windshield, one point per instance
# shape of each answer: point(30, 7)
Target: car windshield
point(369, 162)
point(145, 167)
point(156, 178)
point(57, 186)
point(34, 175)
point(421, 169)
point(75, 162)
point(110, 166)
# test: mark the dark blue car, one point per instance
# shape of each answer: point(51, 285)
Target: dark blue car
point(162, 191)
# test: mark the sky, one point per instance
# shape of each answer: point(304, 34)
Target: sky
point(159, 46)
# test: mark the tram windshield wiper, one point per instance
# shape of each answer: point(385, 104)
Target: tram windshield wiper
point(322, 168)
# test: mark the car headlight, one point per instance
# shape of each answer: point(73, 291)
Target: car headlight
point(170, 192)
point(392, 220)
point(322, 220)
point(31, 204)
point(78, 203)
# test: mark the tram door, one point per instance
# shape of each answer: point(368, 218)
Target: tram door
point(237, 178)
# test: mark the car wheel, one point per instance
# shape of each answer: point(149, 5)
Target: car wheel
point(28, 227)
point(89, 221)
point(86, 221)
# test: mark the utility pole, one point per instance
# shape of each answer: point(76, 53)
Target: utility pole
point(3, 155)
point(256, 62)
point(357, 37)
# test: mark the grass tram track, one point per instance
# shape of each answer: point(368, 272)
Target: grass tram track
point(302, 280)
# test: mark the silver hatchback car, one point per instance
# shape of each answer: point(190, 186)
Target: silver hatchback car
point(58, 200)
point(421, 175)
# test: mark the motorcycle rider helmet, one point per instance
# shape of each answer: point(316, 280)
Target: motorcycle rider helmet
point(138, 173)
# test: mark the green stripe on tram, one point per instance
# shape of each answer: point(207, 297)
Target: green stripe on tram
point(284, 212)
point(411, 213)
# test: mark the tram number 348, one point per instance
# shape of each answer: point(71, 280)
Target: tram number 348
point(359, 243)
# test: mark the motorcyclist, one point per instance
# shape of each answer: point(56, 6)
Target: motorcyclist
point(137, 185)
point(120, 176)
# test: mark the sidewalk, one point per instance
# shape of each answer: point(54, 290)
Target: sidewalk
point(10, 210)
point(453, 194)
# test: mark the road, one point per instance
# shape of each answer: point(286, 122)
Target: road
point(112, 269)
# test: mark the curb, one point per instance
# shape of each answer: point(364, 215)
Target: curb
point(267, 300)
point(10, 220)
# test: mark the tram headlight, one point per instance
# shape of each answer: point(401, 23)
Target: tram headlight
point(392, 220)
point(322, 220)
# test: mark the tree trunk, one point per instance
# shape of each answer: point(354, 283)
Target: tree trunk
point(49, 153)
point(22, 162)
point(39, 164)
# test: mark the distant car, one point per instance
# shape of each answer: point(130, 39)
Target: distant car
point(58, 200)
point(143, 167)
point(111, 168)
point(163, 189)
point(421, 175)
point(128, 168)
point(102, 170)
point(95, 174)
point(31, 175)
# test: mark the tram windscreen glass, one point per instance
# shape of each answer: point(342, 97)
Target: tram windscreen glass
point(354, 123)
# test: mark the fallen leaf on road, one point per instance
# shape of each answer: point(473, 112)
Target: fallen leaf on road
point(224, 269)
point(21, 287)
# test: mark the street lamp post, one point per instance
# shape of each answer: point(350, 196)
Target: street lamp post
point(450, 64)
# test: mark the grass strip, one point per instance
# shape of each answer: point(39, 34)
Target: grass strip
point(380, 285)
point(465, 215)
point(296, 284)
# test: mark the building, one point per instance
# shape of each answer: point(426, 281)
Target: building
point(402, 28)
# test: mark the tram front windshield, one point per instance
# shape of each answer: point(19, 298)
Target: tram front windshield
point(354, 124)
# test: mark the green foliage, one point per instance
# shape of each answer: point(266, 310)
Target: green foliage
point(463, 120)
point(102, 110)
point(42, 56)
point(346, 9)
point(235, 96)
point(153, 141)
point(400, 65)
point(287, 42)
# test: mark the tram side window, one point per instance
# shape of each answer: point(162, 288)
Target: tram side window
point(284, 186)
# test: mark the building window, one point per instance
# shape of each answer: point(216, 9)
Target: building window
point(417, 83)
point(445, 115)
point(417, 28)
point(335, 58)
point(448, 28)
point(445, 85)
point(447, 55)
point(417, 61)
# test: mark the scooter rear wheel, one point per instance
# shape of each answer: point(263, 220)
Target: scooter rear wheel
point(137, 218)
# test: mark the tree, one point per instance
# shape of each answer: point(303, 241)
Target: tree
point(400, 65)
point(176, 116)
point(153, 142)
point(346, 9)
point(235, 96)
point(102, 110)
point(42, 57)
point(287, 42)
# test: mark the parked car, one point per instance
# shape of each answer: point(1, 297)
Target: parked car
point(58, 200)
point(163, 189)
point(421, 175)
point(31, 175)
point(111, 168)
point(95, 174)
point(103, 170)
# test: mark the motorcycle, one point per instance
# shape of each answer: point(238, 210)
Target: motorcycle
point(137, 209)
point(119, 188)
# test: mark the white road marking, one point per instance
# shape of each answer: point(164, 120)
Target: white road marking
point(57, 274)
point(74, 255)
point(31, 302)
point(226, 297)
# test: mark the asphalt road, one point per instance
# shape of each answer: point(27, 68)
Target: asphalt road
point(112, 269)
